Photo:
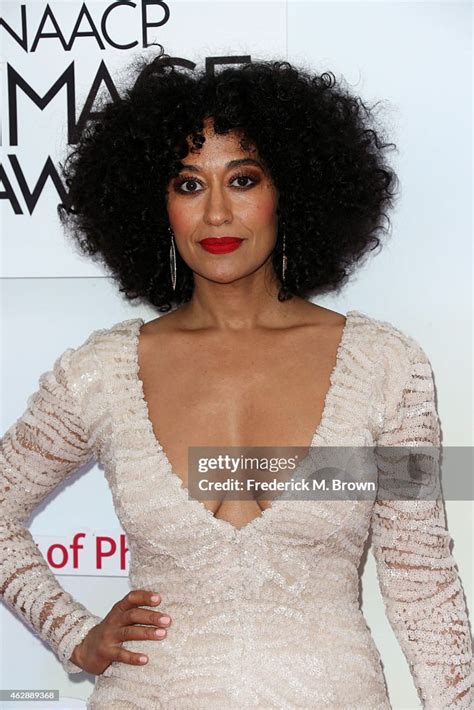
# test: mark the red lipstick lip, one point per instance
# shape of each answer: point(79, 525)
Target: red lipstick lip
point(220, 246)
point(220, 240)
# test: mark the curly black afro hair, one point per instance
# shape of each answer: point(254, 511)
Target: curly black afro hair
point(316, 139)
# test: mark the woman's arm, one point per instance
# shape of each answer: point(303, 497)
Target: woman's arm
point(38, 451)
point(420, 584)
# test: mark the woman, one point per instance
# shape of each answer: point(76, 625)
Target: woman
point(235, 197)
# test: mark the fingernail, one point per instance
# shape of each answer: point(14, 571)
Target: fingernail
point(165, 619)
point(154, 597)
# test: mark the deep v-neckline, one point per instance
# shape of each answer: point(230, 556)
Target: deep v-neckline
point(176, 481)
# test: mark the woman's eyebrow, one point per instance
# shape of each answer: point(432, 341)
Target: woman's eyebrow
point(230, 164)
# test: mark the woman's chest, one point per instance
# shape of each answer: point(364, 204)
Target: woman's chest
point(144, 427)
point(268, 393)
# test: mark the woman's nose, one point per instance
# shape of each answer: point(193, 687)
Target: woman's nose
point(218, 206)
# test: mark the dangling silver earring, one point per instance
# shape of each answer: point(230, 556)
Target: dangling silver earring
point(172, 259)
point(285, 260)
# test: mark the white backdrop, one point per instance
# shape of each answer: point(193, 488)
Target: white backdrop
point(415, 56)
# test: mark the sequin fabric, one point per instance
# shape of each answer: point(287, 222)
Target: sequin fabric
point(268, 615)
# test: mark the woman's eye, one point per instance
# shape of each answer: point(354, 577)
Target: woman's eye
point(243, 177)
point(181, 184)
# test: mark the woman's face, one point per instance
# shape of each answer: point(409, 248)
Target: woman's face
point(215, 198)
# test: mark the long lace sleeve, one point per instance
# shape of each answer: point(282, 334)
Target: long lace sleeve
point(418, 579)
point(37, 452)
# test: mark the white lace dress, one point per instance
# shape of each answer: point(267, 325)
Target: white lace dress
point(267, 616)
